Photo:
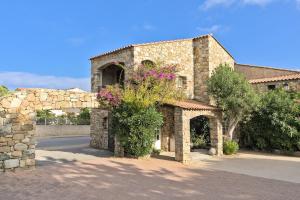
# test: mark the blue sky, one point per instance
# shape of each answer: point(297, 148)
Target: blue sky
point(48, 43)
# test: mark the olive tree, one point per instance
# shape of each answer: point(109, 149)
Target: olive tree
point(233, 94)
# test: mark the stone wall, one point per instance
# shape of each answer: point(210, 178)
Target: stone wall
point(18, 121)
point(124, 56)
point(99, 129)
point(208, 54)
point(167, 130)
point(179, 52)
point(293, 85)
point(61, 130)
point(256, 72)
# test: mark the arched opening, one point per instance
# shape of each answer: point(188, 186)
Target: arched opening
point(200, 132)
point(112, 74)
point(148, 63)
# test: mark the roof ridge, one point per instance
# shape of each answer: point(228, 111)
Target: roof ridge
point(151, 43)
point(276, 78)
point(267, 67)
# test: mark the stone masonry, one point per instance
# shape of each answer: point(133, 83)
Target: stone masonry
point(18, 121)
point(196, 58)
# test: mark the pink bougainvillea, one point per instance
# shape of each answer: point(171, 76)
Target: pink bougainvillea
point(110, 96)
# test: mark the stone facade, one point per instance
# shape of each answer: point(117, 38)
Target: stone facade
point(208, 54)
point(18, 121)
point(258, 72)
point(197, 58)
point(291, 85)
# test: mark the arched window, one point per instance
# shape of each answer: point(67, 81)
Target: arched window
point(148, 63)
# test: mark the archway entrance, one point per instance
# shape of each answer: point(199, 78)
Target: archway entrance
point(200, 133)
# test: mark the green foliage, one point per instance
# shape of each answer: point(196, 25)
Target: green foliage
point(3, 90)
point(200, 133)
point(233, 94)
point(136, 128)
point(45, 114)
point(230, 147)
point(84, 117)
point(199, 142)
point(275, 125)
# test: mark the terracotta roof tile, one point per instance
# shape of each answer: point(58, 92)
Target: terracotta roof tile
point(277, 78)
point(192, 105)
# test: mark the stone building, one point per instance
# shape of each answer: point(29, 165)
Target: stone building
point(197, 58)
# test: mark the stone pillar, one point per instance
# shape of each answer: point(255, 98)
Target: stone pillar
point(216, 135)
point(99, 131)
point(182, 136)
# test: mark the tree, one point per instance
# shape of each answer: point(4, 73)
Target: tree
point(3, 90)
point(233, 94)
point(84, 117)
point(44, 115)
point(275, 125)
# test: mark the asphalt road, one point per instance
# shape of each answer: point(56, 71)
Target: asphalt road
point(63, 143)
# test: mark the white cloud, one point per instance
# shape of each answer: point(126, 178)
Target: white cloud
point(28, 80)
point(212, 29)
point(214, 3)
point(298, 3)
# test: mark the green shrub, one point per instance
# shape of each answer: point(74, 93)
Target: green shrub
point(275, 125)
point(3, 90)
point(199, 142)
point(230, 147)
point(136, 128)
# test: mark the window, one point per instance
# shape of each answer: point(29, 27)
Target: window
point(105, 123)
point(181, 82)
point(271, 87)
point(148, 63)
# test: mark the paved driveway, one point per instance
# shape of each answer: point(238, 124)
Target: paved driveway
point(97, 176)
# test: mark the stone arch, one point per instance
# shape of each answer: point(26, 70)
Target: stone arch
point(148, 63)
point(182, 117)
point(199, 127)
point(18, 116)
point(110, 74)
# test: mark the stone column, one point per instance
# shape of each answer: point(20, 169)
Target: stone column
point(216, 135)
point(182, 136)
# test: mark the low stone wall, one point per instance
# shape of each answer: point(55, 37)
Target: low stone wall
point(61, 130)
point(18, 121)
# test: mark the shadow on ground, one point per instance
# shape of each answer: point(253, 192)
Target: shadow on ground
point(112, 178)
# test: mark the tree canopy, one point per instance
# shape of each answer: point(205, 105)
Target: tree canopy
point(232, 93)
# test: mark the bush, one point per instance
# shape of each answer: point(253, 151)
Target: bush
point(275, 125)
point(3, 90)
point(199, 142)
point(136, 128)
point(230, 147)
